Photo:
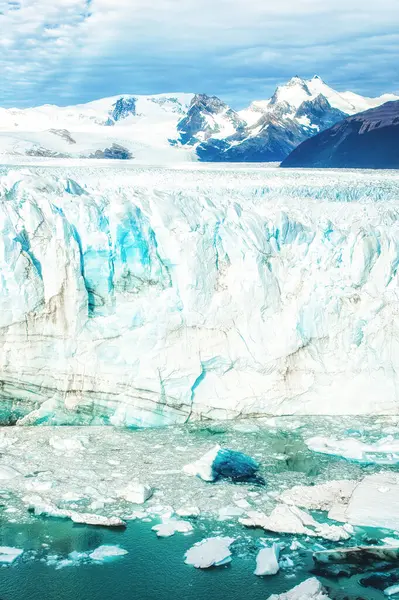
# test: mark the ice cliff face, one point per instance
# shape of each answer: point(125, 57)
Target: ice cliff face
point(147, 297)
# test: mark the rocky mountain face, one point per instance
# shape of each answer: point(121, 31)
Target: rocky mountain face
point(208, 117)
point(268, 130)
point(367, 140)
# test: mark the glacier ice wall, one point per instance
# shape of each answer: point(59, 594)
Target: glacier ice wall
point(149, 297)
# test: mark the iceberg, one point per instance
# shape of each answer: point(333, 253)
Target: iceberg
point(385, 451)
point(163, 295)
point(105, 553)
point(311, 589)
point(373, 503)
point(319, 497)
point(8, 555)
point(136, 492)
point(267, 561)
point(224, 463)
point(293, 520)
point(172, 526)
point(211, 552)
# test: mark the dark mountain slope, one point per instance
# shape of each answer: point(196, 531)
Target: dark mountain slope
point(368, 140)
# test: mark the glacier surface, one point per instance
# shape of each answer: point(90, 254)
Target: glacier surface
point(151, 296)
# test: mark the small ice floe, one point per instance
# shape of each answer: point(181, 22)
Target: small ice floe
point(230, 512)
point(319, 497)
point(8, 555)
point(188, 511)
point(67, 444)
point(293, 520)
point(8, 473)
point(242, 503)
point(224, 463)
point(311, 589)
point(385, 451)
point(211, 552)
point(39, 507)
point(38, 485)
point(392, 590)
point(172, 526)
point(106, 553)
point(373, 503)
point(97, 520)
point(267, 561)
point(135, 492)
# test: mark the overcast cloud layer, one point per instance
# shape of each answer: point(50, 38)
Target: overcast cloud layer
point(70, 51)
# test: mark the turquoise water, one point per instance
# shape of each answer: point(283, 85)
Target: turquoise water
point(153, 569)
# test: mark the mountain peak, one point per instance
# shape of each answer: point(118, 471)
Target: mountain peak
point(296, 80)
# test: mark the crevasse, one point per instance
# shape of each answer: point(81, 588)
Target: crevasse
point(149, 297)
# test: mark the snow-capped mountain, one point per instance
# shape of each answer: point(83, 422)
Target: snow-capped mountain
point(295, 112)
point(180, 127)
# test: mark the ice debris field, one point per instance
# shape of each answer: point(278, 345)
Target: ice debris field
point(251, 495)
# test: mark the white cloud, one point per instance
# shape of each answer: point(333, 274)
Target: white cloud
point(71, 50)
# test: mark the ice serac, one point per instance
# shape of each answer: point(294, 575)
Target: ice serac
point(154, 297)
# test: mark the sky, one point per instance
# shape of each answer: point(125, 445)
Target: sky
point(73, 51)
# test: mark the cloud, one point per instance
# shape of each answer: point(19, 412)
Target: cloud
point(75, 50)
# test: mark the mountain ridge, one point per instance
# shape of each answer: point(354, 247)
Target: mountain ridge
point(181, 126)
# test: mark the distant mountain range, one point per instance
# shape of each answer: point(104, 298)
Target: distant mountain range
point(181, 127)
point(367, 140)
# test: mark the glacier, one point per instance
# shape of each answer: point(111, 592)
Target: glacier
point(152, 296)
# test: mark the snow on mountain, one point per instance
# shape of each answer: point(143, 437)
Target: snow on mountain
point(143, 125)
point(180, 127)
point(147, 296)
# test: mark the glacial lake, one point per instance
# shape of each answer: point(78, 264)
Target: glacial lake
point(153, 569)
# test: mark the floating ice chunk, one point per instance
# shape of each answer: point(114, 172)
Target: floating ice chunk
point(230, 512)
point(8, 555)
point(392, 590)
point(136, 492)
point(214, 551)
point(222, 462)
point(105, 553)
point(203, 467)
point(188, 511)
point(369, 506)
point(311, 589)
point(171, 527)
point(388, 541)
point(66, 562)
point(77, 556)
point(66, 444)
point(97, 520)
point(385, 451)
point(40, 507)
point(72, 496)
point(7, 473)
point(293, 520)
point(38, 485)
point(267, 561)
point(319, 497)
point(234, 465)
point(242, 503)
